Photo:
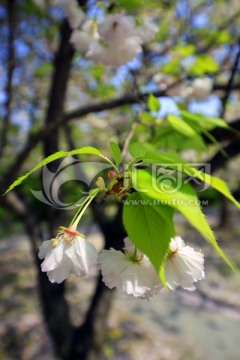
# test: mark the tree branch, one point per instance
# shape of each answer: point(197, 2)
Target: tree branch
point(230, 82)
point(84, 110)
point(219, 160)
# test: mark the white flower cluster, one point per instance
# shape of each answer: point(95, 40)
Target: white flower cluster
point(130, 272)
point(135, 275)
point(183, 266)
point(113, 40)
point(68, 253)
point(199, 89)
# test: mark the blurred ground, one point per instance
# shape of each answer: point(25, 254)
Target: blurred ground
point(202, 325)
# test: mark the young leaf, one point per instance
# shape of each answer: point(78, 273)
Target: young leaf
point(138, 150)
point(185, 129)
point(182, 127)
point(203, 64)
point(147, 118)
point(116, 152)
point(58, 155)
point(182, 198)
point(166, 137)
point(153, 103)
point(149, 226)
point(204, 121)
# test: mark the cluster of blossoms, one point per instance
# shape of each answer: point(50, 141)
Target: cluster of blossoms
point(198, 89)
point(130, 272)
point(113, 40)
point(68, 253)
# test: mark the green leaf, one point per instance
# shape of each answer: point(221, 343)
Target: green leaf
point(149, 226)
point(147, 118)
point(138, 150)
point(97, 71)
point(183, 200)
point(130, 4)
point(185, 50)
point(172, 67)
point(182, 127)
point(219, 37)
point(58, 155)
point(171, 160)
point(203, 64)
point(168, 138)
point(153, 103)
point(204, 121)
point(187, 130)
point(44, 69)
point(168, 158)
point(116, 152)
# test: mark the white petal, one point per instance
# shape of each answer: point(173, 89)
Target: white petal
point(54, 258)
point(61, 273)
point(140, 281)
point(128, 245)
point(112, 264)
point(112, 261)
point(116, 53)
point(81, 40)
point(184, 267)
point(74, 13)
point(45, 248)
point(175, 277)
point(147, 30)
point(76, 266)
point(83, 255)
point(137, 279)
point(176, 243)
point(116, 27)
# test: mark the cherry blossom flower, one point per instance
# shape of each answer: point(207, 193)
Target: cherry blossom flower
point(115, 27)
point(113, 40)
point(117, 43)
point(200, 89)
point(183, 266)
point(74, 13)
point(114, 53)
point(169, 83)
point(147, 30)
point(134, 275)
point(68, 253)
point(83, 38)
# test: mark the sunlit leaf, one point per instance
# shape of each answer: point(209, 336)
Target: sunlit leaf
point(183, 199)
point(149, 226)
point(88, 150)
point(171, 160)
point(153, 103)
point(179, 125)
point(116, 152)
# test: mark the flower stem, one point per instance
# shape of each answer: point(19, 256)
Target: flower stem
point(134, 255)
point(84, 206)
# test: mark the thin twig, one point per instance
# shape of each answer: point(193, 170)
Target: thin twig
point(128, 139)
point(230, 82)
